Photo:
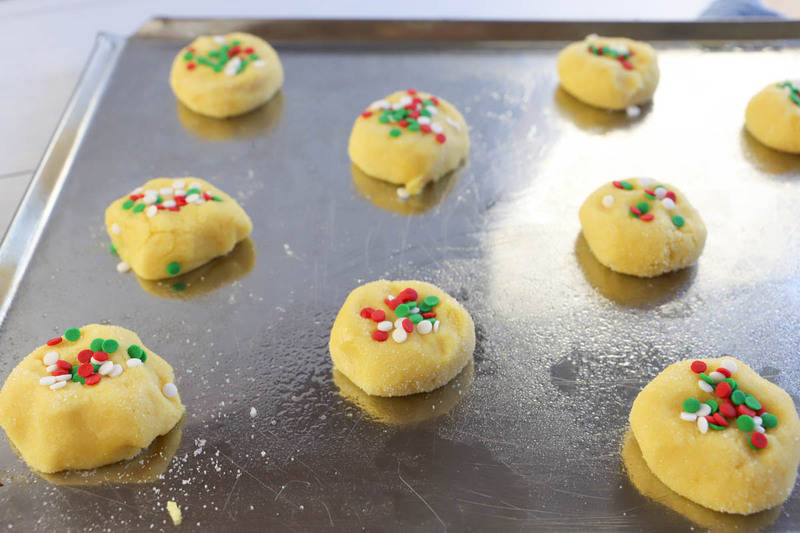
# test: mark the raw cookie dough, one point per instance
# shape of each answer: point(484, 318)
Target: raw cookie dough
point(226, 75)
point(394, 338)
point(88, 398)
point(609, 72)
point(409, 138)
point(731, 444)
point(642, 227)
point(773, 116)
point(170, 226)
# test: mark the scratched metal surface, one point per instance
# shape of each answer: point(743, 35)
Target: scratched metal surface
point(528, 438)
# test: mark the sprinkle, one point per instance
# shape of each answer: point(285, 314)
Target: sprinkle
point(723, 389)
point(758, 441)
point(440, 138)
point(724, 371)
point(386, 325)
point(745, 423)
point(644, 207)
point(132, 363)
point(635, 210)
point(394, 132)
point(728, 410)
point(689, 417)
point(752, 403)
point(436, 327)
point(453, 123)
point(378, 315)
point(716, 376)
point(135, 351)
point(139, 208)
point(399, 323)
point(72, 334)
point(85, 370)
point(691, 405)
point(402, 193)
point(173, 268)
point(169, 390)
point(707, 379)
point(668, 204)
point(633, 111)
point(178, 184)
point(58, 385)
point(54, 341)
point(123, 267)
point(100, 356)
point(408, 325)
point(698, 367)
point(608, 200)
point(769, 420)
point(720, 420)
point(110, 346)
point(50, 358)
point(115, 229)
point(151, 211)
point(96, 345)
point(646, 218)
point(380, 335)
point(402, 310)
point(702, 425)
point(47, 380)
point(399, 335)
point(705, 386)
point(738, 397)
point(703, 410)
point(94, 379)
point(713, 405)
point(51, 368)
point(106, 368)
point(678, 220)
point(424, 327)
point(730, 365)
point(116, 371)
point(66, 376)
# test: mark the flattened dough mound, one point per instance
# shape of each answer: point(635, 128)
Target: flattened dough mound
point(630, 245)
point(603, 81)
point(238, 84)
point(773, 117)
point(718, 469)
point(411, 158)
point(421, 363)
point(81, 426)
point(189, 237)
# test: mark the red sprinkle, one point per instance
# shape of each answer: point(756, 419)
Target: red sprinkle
point(53, 342)
point(393, 303)
point(710, 419)
point(378, 315)
point(626, 65)
point(408, 295)
point(59, 372)
point(367, 312)
point(234, 50)
point(249, 50)
point(416, 100)
point(190, 66)
point(635, 210)
point(85, 370)
point(648, 191)
point(723, 390)
point(408, 325)
point(759, 440)
point(720, 420)
point(671, 196)
point(428, 315)
point(434, 100)
point(160, 207)
point(728, 409)
point(84, 356)
point(414, 114)
point(425, 128)
point(94, 379)
point(724, 371)
point(366, 114)
point(412, 92)
point(402, 123)
point(379, 335)
point(647, 218)
point(761, 411)
point(698, 367)
point(440, 137)
point(617, 184)
point(744, 410)
point(100, 356)
point(207, 196)
point(63, 365)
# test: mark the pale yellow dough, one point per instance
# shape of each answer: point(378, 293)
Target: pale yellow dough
point(629, 245)
point(413, 158)
point(81, 426)
point(774, 119)
point(191, 237)
point(421, 363)
point(602, 81)
point(718, 469)
point(217, 94)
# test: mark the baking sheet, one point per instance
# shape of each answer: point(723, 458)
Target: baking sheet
point(529, 437)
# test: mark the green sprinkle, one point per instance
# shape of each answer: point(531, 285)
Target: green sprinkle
point(96, 367)
point(96, 345)
point(691, 405)
point(427, 102)
point(768, 420)
point(112, 249)
point(241, 66)
point(72, 334)
point(188, 56)
point(110, 345)
point(650, 196)
point(424, 307)
point(626, 185)
point(416, 318)
point(218, 68)
point(716, 427)
point(794, 97)
point(745, 423)
point(431, 320)
point(216, 198)
point(678, 220)
point(254, 57)
point(402, 310)
point(127, 204)
point(193, 191)
point(236, 43)
point(395, 132)
point(178, 287)
point(159, 199)
point(644, 207)
point(425, 113)
point(174, 267)
point(204, 61)
point(78, 379)
point(134, 351)
point(139, 208)
point(411, 305)
point(752, 403)
point(413, 127)
point(383, 119)
point(713, 405)
point(212, 53)
point(431, 300)
point(732, 383)
point(738, 397)
point(707, 379)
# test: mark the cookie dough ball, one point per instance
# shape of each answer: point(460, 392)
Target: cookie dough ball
point(409, 138)
point(170, 226)
point(394, 338)
point(92, 397)
point(773, 116)
point(226, 75)
point(609, 72)
point(642, 227)
point(731, 444)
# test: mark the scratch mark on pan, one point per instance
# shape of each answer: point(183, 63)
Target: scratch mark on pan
point(245, 471)
point(230, 493)
point(330, 518)
point(579, 494)
point(94, 495)
point(354, 427)
point(420, 497)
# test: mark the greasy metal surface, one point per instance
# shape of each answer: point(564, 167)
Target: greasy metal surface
point(528, 438)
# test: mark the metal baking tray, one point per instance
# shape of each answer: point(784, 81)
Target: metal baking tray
point(530, 436)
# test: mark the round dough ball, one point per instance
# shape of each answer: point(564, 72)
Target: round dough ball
point(718, 469)
point(222, 76)
point(609, 72)
point(404, 363)
point(83, 426)
point(409, 147)
point(189, 232)
point(773, 116)
point(668, 235)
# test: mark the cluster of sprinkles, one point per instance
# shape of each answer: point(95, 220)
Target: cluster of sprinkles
point(231, 58)
point(93, 363)
point(731, 403)
point(152, 201)
point(413, 113)
point(621, 53)
point(641, 210)
point(410, 313)
point(794, 92)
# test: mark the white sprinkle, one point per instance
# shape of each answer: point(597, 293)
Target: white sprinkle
point(757, 420)
point(150, 192)
point(58, 385)
point(259, 64)
point(151, 211)
point(704, 410)
point(123, 267)
point(52, 368)
point(399, 323)
point(169, 390)
point(179, 184)
point(115, 229)
point(385, 326)
point(402, 193)
point(424, 120)
point(399, 335)
point(717, 376)
point(405, 100)
point(166, 191)
point(453, 123)
point(232, 66)
point(96, 362)
point(705, 386)
point(192, 198)
point(133, 362)
point(702, 424)
point(432, 110)
point(47, 380)
point(137, 190)
point(759, 429)
point(50, 358)
point(195, 185)
point(219, 39)
point(645, 182)
point(633, 111)
point(413, 311)
point(106, 368)
point(689, 417)
point(150, 199)
point(179, 192)
point(170, 203)
point(424, 327)
point(660, 191)
point(668, 204)
point(380, 104)
point(397, 105)
point(436, 327)
point(63, 377)
point(116, 371)
point(436, 127)
point(608, 200)
point(253, 412)
point(389, 297)
point(730, 365)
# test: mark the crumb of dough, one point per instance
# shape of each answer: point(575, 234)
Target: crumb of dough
point(174, 513)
